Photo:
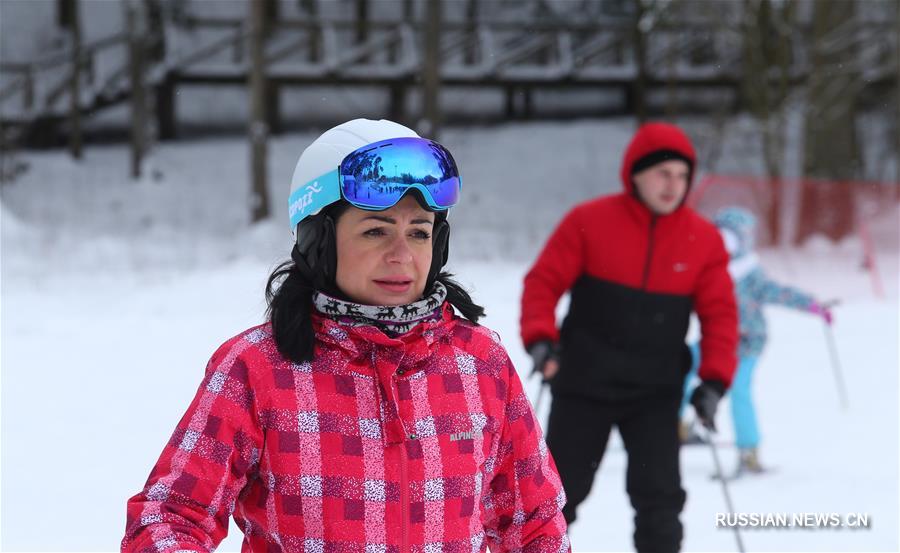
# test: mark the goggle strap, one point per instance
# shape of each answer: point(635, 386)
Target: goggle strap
point(313, 196)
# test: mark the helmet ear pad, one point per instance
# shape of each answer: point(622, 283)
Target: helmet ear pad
point(440, 244)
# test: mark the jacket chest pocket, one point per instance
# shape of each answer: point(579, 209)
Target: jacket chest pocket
point(460, 442)
point(454, 460)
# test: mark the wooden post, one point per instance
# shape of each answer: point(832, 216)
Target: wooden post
point(136, 74)
point(362, 24)
point(397, 105)
point(527, 103)
point(315, 35)
point(271, 13)
point(510, 102)
point(237, 56)
point(28, 100)
point(259, 128)
point(471, 31)
point(638, 90)
point(165, 108)
point(64, 9)
point(75, 139)
point(409, 12)
point(432, 80)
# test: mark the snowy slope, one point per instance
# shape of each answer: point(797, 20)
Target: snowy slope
point(827, 460)
point(114, 294)
point(97, 370)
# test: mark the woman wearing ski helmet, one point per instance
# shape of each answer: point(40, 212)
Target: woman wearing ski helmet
point(365, 414)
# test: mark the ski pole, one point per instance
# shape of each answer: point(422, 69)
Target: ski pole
point(540, 396)
point(537, 402)
point(721, 477)
point(836, 365)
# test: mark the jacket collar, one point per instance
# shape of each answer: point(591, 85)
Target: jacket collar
point(356, 339)
point(381, 355)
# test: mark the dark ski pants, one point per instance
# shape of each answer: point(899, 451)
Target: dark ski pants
point(577, 434)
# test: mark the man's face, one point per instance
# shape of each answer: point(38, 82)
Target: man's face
point(662, 186)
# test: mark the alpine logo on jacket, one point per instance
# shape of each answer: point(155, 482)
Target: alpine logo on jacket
point(457, 436)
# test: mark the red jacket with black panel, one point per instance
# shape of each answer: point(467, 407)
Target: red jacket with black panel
point(634, 277)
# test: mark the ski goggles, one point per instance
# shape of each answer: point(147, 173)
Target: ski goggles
point(375, 177)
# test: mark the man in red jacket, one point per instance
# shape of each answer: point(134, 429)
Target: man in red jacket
point(636, 265)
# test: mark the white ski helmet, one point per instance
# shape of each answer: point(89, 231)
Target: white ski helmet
point(326, 152)
point(314, 234)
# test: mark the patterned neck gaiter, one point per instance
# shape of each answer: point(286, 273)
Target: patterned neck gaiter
point(392, 320)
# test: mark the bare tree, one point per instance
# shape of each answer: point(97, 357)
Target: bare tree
point(768, 56)
point(831, 151)
point(259, 128)
point(639, 88)
point(648, 14)
point(706, 52)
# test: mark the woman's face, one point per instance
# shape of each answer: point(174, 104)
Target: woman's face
point(383, 257)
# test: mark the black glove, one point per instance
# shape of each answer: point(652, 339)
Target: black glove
point(705, 399)
point(541, 352)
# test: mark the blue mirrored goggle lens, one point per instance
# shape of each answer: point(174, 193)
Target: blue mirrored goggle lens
point(377, 176)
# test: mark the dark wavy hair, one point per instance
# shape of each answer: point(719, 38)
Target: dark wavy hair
point(289, 293)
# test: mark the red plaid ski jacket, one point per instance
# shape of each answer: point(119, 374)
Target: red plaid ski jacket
point(421, 443)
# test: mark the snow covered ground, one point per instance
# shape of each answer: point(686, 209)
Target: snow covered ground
point(115, 294)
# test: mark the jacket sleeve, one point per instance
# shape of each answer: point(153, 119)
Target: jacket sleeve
point(524, 498)
point(716, 308)
point(769, 291)
point(190, 494)
point(557, 268)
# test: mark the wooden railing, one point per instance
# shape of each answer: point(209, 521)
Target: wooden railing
point(488, 52)
point(25, 80)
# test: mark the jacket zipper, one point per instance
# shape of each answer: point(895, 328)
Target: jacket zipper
point(649, 254)
point(404, 498)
